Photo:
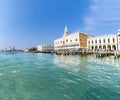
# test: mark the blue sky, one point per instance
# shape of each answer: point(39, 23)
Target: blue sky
point(28, 23)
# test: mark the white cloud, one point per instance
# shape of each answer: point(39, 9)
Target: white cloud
point(103, 17)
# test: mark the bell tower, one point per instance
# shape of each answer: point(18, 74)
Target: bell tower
point(65, 31)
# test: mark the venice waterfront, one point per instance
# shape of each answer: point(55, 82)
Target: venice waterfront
point(37, 76)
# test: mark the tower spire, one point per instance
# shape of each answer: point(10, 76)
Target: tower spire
point(65, 31)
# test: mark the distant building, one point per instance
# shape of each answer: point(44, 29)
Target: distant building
point(45, 48)
point(10, 49)
point(26, 50)
point(105, 42)
point(33, 49)
point(71, 41)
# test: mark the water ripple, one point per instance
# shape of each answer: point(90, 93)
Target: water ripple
point(29, 76)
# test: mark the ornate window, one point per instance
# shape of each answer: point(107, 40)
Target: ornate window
point(113, 40)
point(99, 41)
point(96, 41)
point(76, 39)
point(92, 41)
point(104, 41)
point(88, 42)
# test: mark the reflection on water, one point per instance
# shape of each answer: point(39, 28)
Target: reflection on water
point(88, 63)
point(31, 76)
point(105, 60)
point(74, 63)
point(103, 73)
point(81, 63)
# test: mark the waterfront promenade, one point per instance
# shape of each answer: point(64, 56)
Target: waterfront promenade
point(99, 54)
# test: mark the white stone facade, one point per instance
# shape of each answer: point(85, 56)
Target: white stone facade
point(67, 42)
point(72, 41)
point(118, 35)
point(45, 48)
point(106, 42)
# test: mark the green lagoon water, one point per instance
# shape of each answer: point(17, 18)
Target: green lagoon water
point(37, 76)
